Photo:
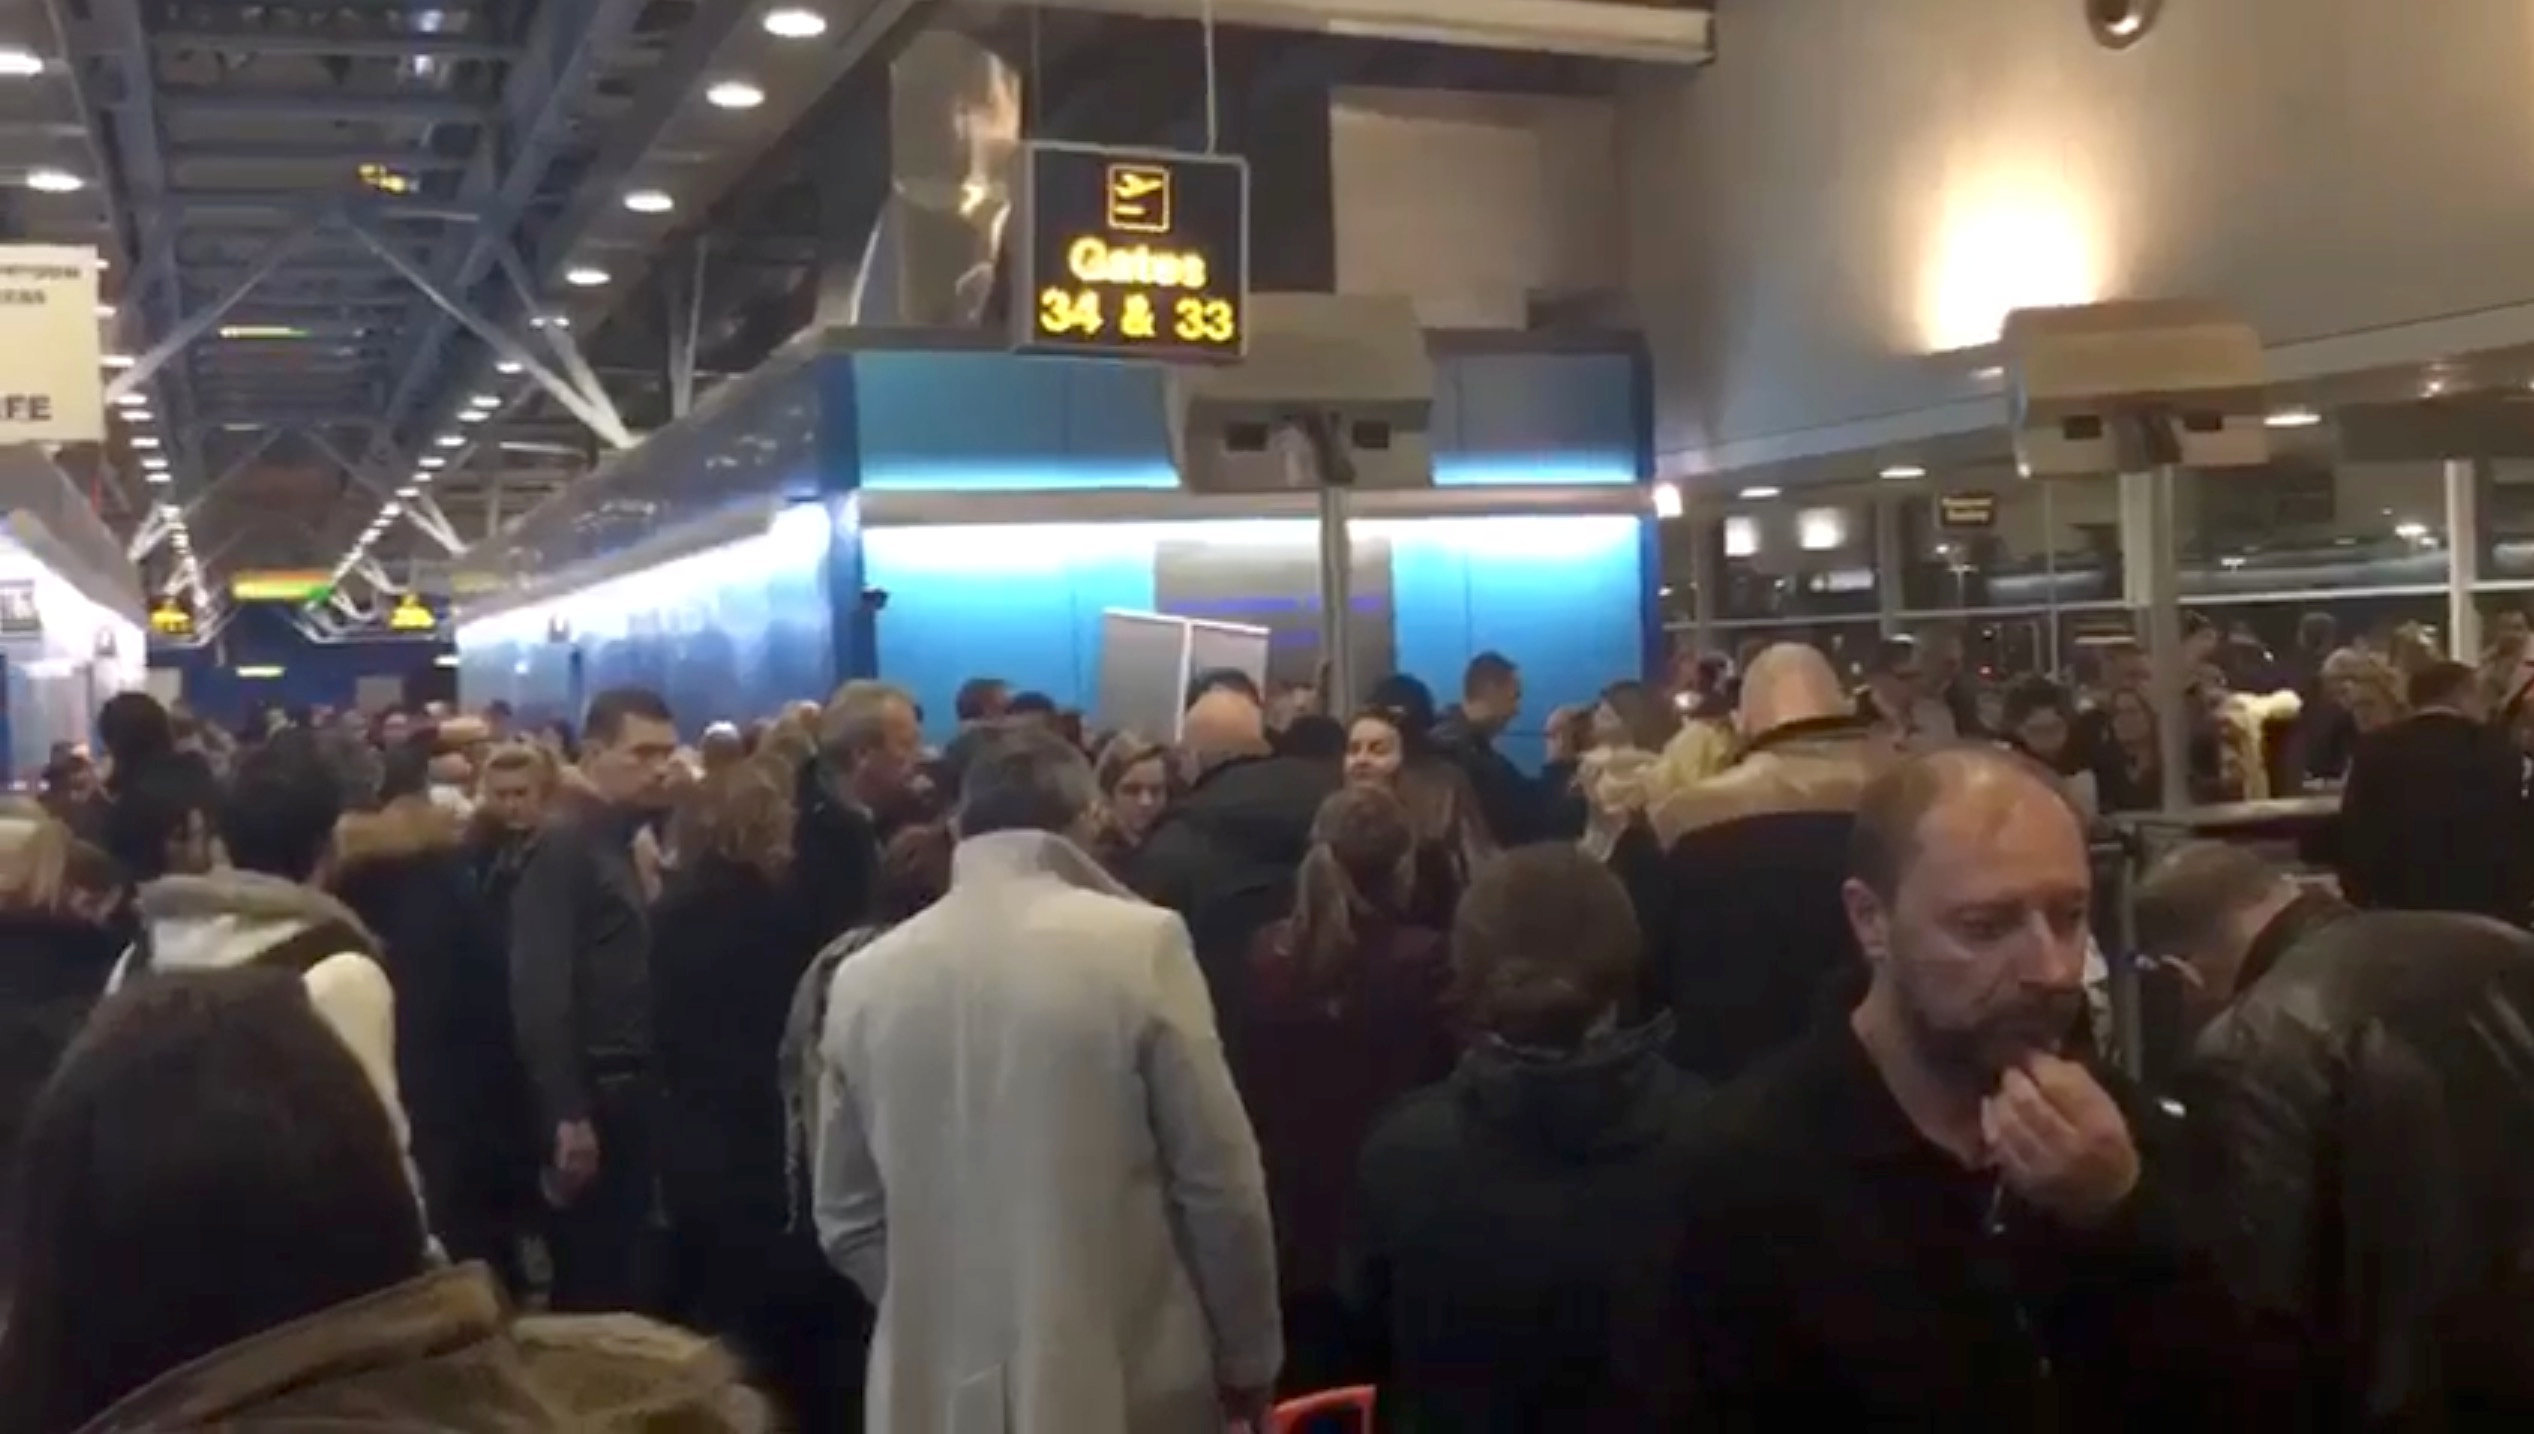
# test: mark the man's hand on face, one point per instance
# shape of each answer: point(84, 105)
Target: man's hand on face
point(2060, 1142)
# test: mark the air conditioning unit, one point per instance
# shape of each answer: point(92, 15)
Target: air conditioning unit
point(1352, 370)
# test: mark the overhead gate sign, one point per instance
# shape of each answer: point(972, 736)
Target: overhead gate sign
point(51, 390)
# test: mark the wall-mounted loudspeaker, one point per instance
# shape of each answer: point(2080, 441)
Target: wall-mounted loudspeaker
point(2119, 24)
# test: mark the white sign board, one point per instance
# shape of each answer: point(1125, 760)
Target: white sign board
point(50, 387)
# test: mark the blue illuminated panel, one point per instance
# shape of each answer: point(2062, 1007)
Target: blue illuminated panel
point(1561, 596)
point(730, 633)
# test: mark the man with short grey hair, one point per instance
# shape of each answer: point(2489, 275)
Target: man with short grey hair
point(1031, 1155)
point(852, 796)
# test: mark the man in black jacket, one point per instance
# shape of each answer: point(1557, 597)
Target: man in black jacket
point(580, 963)
point(2435, 817)
point(2360, 1141)
point(1491, 697)
point(852, 797)
point(1925, 1215)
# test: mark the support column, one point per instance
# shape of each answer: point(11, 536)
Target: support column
point(2463, 558)
point(1890, 563)
point(2161, 594)
point(1706, 578)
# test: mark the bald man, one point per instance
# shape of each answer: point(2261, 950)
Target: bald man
point(1752, 932)
point(1224, 855)
point(1928, 1213)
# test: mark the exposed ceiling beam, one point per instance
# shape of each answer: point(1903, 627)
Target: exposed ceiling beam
point(349, 156)
point(565, 43)
point(421, 106)
point(248, 39)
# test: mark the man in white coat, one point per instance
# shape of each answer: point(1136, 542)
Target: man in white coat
point(1031, 1155)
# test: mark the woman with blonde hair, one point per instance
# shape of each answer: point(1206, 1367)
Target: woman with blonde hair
point(1137, 781)
point(54, 960)
point(730, 937)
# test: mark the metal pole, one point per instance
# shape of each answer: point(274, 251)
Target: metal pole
point(584, 378)
point(1337, 595)
point(2463, 558)
point(1888, 564)
point(1706, 576)
point(201, 320)
point(2164, 641)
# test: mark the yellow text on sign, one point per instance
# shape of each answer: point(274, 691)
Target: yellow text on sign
point(1085, 314)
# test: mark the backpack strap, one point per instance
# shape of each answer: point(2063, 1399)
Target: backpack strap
point(304, 952)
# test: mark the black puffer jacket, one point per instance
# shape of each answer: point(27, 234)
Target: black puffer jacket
point(2361, 1140)
point(1224, 857)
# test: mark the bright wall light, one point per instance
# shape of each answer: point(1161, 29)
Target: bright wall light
point(1903, 472)
point(2294, 418)
point(2004, 240)
point(1821, 530)
point(1742, 536)
point(259, 672)
point(734, 95)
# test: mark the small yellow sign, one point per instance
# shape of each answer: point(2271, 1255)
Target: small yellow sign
point(1139, 198)
point(409, 615)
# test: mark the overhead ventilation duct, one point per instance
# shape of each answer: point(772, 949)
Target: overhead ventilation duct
point(953, 140)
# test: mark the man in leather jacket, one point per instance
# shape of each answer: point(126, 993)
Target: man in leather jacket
point(2360, 1137)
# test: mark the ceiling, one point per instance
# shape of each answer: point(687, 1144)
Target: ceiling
point(384, 274)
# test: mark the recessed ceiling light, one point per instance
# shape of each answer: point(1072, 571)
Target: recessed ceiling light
point(1756, 494)
point(159, 476)
point(734, 95)
point(435, 461)
point(475, 415)
point(1901, 471)
point(586, 276)
point(795, 22)
point(117, 360)
point(134, 399)
point(409, 491)
point(450, 440)
point(649, 201)
point(54, 181)
point(510, 366)
point(17, 63)
point(2294, 418)
point(153, 461)
point(144, 440)
point(105, 311)
point(485, 400)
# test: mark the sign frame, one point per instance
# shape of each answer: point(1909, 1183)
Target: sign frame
point(1025, 275)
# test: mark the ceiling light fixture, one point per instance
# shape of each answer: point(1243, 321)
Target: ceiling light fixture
point(117, 360)
point(649, 201)
point(485, 400)
point(586, 276)
point(794, 22)
point(158, 476)
point(1902, 472)
point(153, 461)
point(2294, 418)
point(510, 366)
point(105, 311)
point(434, 461)
point(475, 415)
point(54, 181)
point(144, 441)
point(409, 491)
point(734, 95)
point(1754, 495)
point(450, 440)
point(18, 63)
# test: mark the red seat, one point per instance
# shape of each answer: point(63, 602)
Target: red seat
point(1357, 1401)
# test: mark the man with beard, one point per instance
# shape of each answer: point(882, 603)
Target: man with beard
point(1930, 1213)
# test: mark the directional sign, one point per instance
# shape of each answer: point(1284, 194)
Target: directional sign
point(1133, 254)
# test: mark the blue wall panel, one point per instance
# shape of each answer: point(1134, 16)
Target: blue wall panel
point(1562, 418)
point(1021, 604)
point(728, 634)
point(990, 421)
point(313, 673)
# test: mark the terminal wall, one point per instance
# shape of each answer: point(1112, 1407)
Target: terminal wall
point(1855, 184)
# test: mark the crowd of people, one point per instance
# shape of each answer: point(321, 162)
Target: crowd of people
point(1733, 1070)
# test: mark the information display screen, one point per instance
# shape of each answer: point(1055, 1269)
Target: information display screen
point(1134, 254)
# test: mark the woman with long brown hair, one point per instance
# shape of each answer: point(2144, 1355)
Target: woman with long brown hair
point(729, 939)
point(1344, 1016)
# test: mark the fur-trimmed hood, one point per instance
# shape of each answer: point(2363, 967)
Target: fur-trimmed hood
point(229, 918)
point(405, 828)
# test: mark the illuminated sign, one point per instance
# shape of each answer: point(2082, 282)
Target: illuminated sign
point(1966, 512)
point(1133, 254)
point(280, 587)
point(170, 619)
point(409, 615)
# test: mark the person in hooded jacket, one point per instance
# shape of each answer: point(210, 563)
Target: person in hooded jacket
point(1346, 1015)
point(402, 870)
point(1224, 856)
point(1515, 1225)
point(216, 1233)
point(2359, 1146)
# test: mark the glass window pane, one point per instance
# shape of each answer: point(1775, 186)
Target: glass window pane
point(2305, 525)
point(1808, 555)
point(1994, 540)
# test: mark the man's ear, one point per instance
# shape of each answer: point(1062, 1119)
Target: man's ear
point(1868, 918)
